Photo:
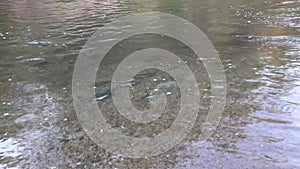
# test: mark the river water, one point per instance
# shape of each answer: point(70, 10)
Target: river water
point(258, 43)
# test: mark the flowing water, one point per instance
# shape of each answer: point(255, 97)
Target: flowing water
point(258, 43)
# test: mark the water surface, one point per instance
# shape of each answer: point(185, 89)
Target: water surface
point(258, 42)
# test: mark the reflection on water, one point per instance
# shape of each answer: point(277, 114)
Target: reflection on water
point(258, 42)
point(9, 150)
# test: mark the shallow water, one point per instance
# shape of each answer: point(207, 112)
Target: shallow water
point(258, 43)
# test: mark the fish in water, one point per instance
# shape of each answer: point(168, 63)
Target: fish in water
point(100, 96)
point(103, 95)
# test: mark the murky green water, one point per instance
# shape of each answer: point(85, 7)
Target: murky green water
point(258, 42)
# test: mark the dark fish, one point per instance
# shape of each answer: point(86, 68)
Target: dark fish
point(103, 95)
